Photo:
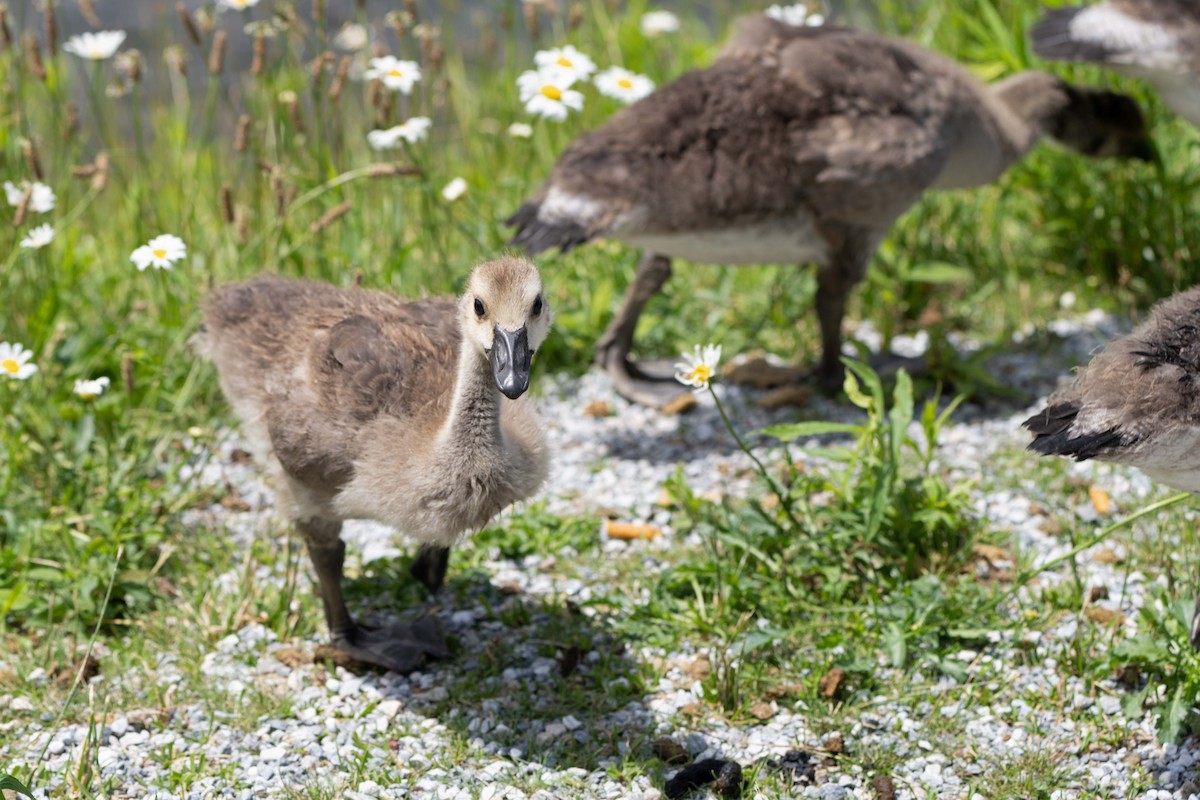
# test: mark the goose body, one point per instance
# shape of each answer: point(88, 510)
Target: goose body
point(799, 144)
point(1137, 402)
point(1157, 41)
point(363, 405)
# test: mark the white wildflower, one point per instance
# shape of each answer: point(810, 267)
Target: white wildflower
point(41, 197)
point(351, 37)
point(238, 5)
point(567, 59)
point(14, 361)
point(91, 389)
point(454, 190)
point(623, 85)
point(396, 74)
point(520, 130)
point(38, 237)
point(411, 130)
point(160, 252)
point(796, 15)
point(548, 93)
point(95, 46)
point(656, 23)
point(698, 367)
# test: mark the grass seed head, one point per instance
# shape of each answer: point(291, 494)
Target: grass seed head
point(32, 159)
point(339, 77)
point(70, 122)
point(260, 54)
point(34, 54)
point(6, 39)
point(50, 29)
point(88, 9)
point(216, 56)
point(241, 134)
point(189, 24)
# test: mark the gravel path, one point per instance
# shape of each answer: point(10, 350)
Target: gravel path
point(411, 731)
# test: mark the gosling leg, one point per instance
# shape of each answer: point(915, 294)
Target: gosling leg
point(402, 647)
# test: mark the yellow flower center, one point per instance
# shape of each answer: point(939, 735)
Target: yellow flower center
point(563, 61)
point(10, 366)
point(159, 253)
point(625, 83)
point(553, 92)
point(702, 373)
point(395, 73)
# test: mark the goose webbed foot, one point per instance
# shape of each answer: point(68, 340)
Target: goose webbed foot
point(402, 647)
point(651, 384)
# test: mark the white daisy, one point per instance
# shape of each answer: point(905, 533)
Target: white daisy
point(396, 74)
point(14, 361)
point(796, 15)
point(95, 46)
point(656, 23)
point(547, 93)
point(520, 130)
point(41, 199)
point(623, 85)
point(352, 37)
point(160, 252)
point(698, 367)
point(239, 5)
point(90, 390)
point(38, 237)
point(454, 190)
point(567, 59)
point(411, 130)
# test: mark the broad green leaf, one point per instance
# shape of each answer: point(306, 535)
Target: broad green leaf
point(13, 785)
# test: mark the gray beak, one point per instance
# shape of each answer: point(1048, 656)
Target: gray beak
point(510, 358)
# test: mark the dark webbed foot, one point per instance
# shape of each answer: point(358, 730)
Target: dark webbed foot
point(429, 567)
point(648, 384)
point(402, 647)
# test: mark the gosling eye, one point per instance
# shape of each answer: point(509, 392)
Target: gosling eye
point(537, 306)
point(479, 309)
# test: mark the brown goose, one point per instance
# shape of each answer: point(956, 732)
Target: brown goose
point(365, 406)
point(1136, 403)
point(800, 144)
point(1157, 41)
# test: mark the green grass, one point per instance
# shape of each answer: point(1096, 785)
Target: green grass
point(874, 582)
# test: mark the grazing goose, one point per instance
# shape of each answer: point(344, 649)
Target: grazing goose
point(1155, 40)
point(799, 144)
point(1136, 403)
point(364, 406)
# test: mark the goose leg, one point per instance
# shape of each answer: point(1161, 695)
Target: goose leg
point(429, 567)
point(833, 287)
point(402, 647)
point(648, 385)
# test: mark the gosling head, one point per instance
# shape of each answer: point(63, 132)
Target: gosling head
point(1101, 123)
point(505, 315)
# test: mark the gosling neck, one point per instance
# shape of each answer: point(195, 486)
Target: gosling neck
point(1032, 102)
point(474, 419)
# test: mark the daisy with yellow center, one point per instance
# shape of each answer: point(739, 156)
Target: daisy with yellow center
point(698, 368)
point(91, 389)
point(160, 252)
point(239, 5)
point(396, 74)
point(548, 93)
point(411, 131)
point(621, 84)
point(567, 59)
point(38, 237)
point(96, 46)
point(14, 361)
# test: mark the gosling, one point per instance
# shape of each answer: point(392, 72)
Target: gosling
point(800, 144)
point(364, 406)
point(1137, 402)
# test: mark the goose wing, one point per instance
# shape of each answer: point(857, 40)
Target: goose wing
point(381, 357)
point(845, 124)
